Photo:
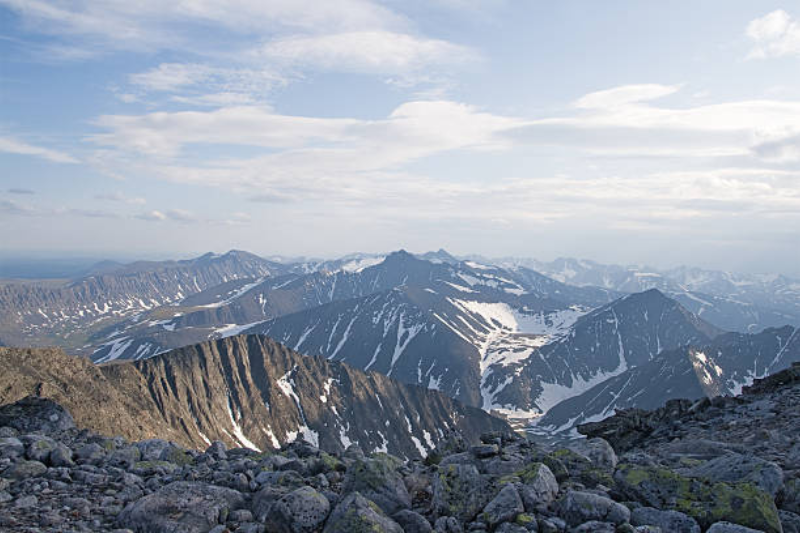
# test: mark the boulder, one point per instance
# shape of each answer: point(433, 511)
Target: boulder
point(727, 527)
point(577, 507)
point(459, 491)
point(180, 507)
point(377, 479)
point(356, 514)
point(538, 486)
point(594, 527)
point(303, 510)
point(705, 501)
point(11, 448)
point(33, 414)
point(735, 467)
point(412, 522)
point(672, 521)
point(790, 521)
point(504, 507)
point(25, 469)
point(598, 451)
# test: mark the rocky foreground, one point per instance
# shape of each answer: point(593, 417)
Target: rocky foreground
point(719, 466)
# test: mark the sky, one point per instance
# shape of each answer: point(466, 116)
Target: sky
point(659, 133)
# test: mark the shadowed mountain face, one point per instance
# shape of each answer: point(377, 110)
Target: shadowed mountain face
point(721, 367)
point(243, 390)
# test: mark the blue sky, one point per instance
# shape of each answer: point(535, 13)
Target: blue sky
point(623, 131)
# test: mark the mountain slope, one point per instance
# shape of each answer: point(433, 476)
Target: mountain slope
point(602, 344)
point(35, 314)
point(722, 367)
point(243, 390)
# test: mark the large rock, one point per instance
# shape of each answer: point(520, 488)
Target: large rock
point(672, 521)
point(705, 501)
point(504, 507)
point(578, 507)
point(735, 467)
point(356, 514)
point(459, 491)
point(598, 451)
point(25, 469)
point(303, 510)
point(181, 507)
point(538, 486)
point(727, 527)
point(36, 415)
point(412, 522)
point(377, 479)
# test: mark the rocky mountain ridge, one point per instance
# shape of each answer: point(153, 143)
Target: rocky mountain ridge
point(36, 314)
point(244, 391)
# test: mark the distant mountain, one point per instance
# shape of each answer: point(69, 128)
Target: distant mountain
point(233, 307)
point(735, 302)
point(245, 391)
point(35, 314)
point(721, 367)
point(608, 341)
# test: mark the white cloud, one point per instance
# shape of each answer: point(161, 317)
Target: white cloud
point(625, 95)
point(413, 130)
point(153, 215)
point(373, 51)
point(119, 197)
point(15, 146)
point(154, 24)
point(774, 35)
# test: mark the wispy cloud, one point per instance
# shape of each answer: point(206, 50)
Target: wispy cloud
point(15, 146)
point(17, 190)
point(119, 197)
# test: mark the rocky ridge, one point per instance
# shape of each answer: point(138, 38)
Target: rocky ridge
point(678, 469)
point(244, 391)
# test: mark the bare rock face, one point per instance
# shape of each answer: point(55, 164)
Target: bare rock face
point(243, 391)
point(36, 415)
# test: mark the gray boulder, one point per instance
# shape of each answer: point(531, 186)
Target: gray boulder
point(577, 507)
point(538, 486)
point(152, 449)
point(181, 507)
point(458, 491)
point(377, 479)
point(301, 511)
point(11, 448)
point(594, 527)
point(598, 451)
point(789, 521)
point(790, 496)
point(735, 467)
point(504, 507)
point(412, 522)
point(25, 469)
point(36, 415)
point(356, 514)
point(672, 521)
point(727, 527)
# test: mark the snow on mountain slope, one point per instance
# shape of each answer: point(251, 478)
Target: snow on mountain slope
point(723, 366)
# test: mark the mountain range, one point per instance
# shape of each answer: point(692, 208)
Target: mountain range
point(557, 343)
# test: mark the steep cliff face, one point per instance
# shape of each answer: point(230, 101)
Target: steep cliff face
point(246, 391)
